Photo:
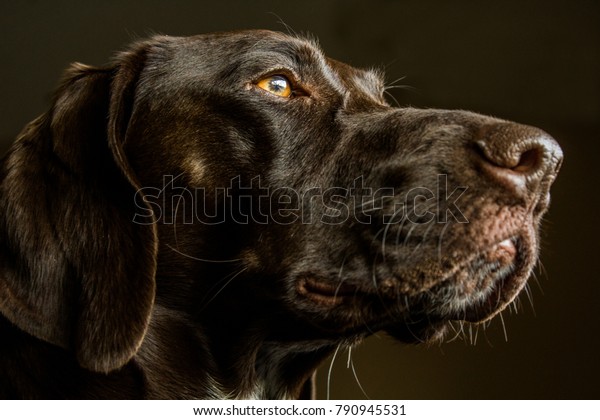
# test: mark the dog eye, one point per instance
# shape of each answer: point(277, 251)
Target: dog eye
point(276, 85)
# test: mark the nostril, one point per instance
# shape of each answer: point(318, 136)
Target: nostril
point(520, 157)
point(529, 161)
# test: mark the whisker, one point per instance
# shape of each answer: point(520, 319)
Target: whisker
point(330, 370)
point(288, 28)
point(537, 282)
point(399, 79)
point(351, 365)
point(385, 92)
point(543, 271)
point(514, 306)
point(407, 87)
point(503, 326)
point(223, 287)
point(476, 334)
point(530, 298)
point(471, 334)
point(463, 333)
point(456, 331)
point(340, 278)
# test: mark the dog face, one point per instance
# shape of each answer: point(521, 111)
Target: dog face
point(271, 195)
point(362, 216)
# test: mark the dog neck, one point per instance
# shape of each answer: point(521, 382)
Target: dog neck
point(252, 367)
point(255, 347)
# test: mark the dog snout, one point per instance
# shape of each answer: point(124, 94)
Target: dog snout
point(523, 159)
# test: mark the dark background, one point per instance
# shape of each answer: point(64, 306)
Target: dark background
point(536, 62)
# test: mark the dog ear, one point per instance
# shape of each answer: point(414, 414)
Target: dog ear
point(75, 270)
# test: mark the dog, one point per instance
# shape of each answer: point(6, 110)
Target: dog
point(213, 216)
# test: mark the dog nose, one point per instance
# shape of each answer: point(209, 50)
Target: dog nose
point(519, 157)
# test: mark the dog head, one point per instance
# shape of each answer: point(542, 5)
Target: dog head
point(268, 192)
point(359, 215)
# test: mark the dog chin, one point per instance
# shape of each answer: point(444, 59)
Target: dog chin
point(421, 332)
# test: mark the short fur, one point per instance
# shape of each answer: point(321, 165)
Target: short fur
point(114, 285)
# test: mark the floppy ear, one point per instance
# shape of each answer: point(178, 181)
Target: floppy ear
point(74, 269)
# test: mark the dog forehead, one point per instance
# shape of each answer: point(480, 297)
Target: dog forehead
point(176, 63)
point(203, 60)
point(211, 53)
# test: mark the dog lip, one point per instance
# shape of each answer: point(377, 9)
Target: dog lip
point(504, 252)
point(496, 302)
point(505, 288)
point(323, 292)
point(501, 261)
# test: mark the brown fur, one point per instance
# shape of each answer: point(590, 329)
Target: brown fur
point(103, 296)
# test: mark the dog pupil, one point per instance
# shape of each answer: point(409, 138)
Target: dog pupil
point(278, 84)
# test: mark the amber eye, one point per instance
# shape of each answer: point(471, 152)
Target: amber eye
point(276, 85)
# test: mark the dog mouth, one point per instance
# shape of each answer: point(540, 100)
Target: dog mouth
point(324, 293)
point(474, 291)
point(484, 286)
